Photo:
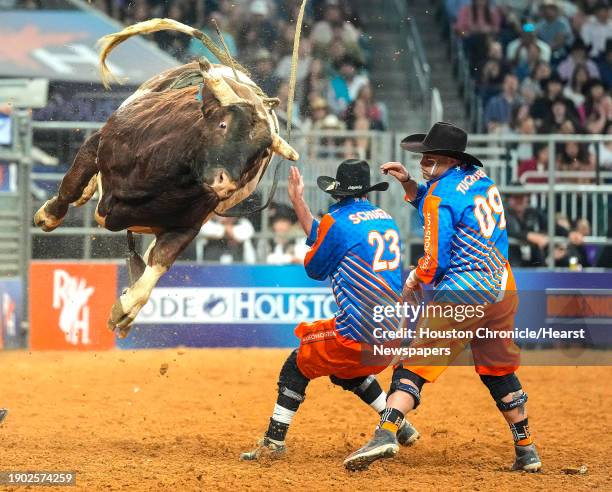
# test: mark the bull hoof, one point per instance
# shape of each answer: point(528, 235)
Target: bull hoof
point(46, 221)
point(120, 322)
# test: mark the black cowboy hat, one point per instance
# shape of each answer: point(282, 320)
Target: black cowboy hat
point(443, 139)
point(352, 179)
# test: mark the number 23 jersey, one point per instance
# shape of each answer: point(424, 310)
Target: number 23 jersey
point(357, 245)
point(465, 239)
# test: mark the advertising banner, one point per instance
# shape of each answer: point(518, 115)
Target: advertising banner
point(70, 304)
point(11, 309)
point(260, 306)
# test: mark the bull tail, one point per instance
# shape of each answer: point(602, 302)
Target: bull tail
point(110, 41)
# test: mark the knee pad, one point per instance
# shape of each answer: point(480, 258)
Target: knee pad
point(353, 384)
point(292, 383)
point(500, 386)
point(400, 373)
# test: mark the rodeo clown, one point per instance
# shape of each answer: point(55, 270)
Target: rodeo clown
point(466, 250)
point(357, 246)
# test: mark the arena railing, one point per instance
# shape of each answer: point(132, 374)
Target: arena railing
point(321, 151)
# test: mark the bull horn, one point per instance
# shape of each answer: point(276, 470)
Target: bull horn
point(220, 88)
point(283, 149)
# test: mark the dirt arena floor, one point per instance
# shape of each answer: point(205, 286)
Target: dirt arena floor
point(121, 425)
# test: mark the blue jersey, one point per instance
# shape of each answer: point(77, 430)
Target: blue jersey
point(465, 238)
point(357, 245)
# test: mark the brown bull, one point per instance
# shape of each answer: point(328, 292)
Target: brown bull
point(189, 142)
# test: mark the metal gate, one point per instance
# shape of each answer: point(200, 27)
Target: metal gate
point(15, 206)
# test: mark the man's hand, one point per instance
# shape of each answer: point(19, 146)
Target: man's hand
point(295, 189)
point(397, 170)
point(296, 186)
point(412, 292)
point(400, 173)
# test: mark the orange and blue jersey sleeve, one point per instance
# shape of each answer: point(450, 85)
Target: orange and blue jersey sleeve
point(437, 237)
point(327, 248)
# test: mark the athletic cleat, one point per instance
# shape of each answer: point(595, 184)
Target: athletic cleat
point(266, 449)
point(382, 445)
point(407, 435)
point(3, 414)
point(527, 458)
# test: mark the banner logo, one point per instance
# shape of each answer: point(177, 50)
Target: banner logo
point(237, 305)
point(70, 296)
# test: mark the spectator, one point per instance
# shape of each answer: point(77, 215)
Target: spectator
point(561, 115)
point(228, 240)
point(345, 86)
point(285, 247)
point(537, 167)
point(597, 106)
point(524, 125)
point(554, 29)
point(197, 48)
point(574, 90)
point(540, 72)
point(541, 110)
point(263, 72)
point(283, 69)
point(525, 225)
point(317, 112)
point(475, 23)
point(517, 50)
point(357, 119)
point(478, 17)
point(605, 65)
point(597, 29)
point(492, 72)
point(377, 112)
point(322, 33)
point(281, 109)
point(604, 150)
point(453, 7)
point(258, 32)
point(571, 253)
point(577, 56)
point(576, 157)
point(316, 84)
point(499, 109)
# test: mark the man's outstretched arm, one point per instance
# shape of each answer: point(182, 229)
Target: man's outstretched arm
point(296, 195)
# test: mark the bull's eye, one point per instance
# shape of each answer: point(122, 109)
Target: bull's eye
point(223, 125)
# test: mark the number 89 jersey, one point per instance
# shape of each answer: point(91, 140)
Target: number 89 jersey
point(465, 238)
point(357, 245)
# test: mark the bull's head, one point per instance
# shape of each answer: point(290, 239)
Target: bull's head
point(238, 137)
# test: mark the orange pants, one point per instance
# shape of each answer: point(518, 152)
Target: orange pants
point(323, 352)
point(494, 356)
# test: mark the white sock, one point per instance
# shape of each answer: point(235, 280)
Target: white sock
point(380, 403)
point(282, 414)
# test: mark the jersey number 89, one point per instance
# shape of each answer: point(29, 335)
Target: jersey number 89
point(390, 236)
point(486, 208)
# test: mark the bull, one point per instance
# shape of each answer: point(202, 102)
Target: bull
point(190, 142)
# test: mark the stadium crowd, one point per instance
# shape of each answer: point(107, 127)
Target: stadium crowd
point(333, 89)
point(543, 67)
